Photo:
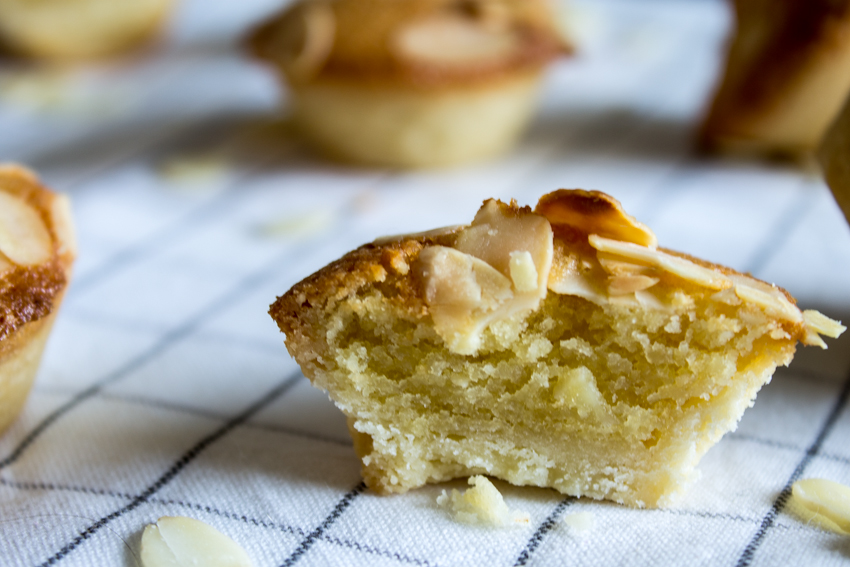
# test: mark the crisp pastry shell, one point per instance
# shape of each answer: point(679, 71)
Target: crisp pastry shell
point(76, 30)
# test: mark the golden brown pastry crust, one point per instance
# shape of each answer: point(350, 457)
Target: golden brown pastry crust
point(387, 263)
point(778, 59)
point(363, 46)
point(28, 293)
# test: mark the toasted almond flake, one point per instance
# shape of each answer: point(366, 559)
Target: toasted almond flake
point(23, 237)
point(498, 230)
point(186, 542)
point(823, 502)
point(822, 324)
point(573, 283)
point(621, 285)
point(63, 225)
point(774, 304)
point(454, 40)
point(460, 291)
point(593, 212)
point(680, 267)
point(523, 272)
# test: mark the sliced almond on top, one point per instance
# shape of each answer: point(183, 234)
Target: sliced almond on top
point(454, 40)
point(461, 291)
point(63, 225)
point(24, 239)
point(500, 231)
point(301, 41)
point(594, 212)
point(680, 267)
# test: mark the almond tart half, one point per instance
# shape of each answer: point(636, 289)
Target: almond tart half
point(559, 347)
point(37, 249)
point(413, 83)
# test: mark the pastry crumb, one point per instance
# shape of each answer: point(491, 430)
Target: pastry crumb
point(822, 503)
point(481, 505)
point(580, 522)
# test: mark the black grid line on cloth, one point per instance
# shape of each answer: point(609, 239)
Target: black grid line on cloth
point(317, 534)
point(176, 468)
point(543, 529)
point(167, 341)
point(781, 501)
point(244, 518)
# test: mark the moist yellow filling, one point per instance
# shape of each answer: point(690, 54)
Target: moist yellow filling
point(614, 401)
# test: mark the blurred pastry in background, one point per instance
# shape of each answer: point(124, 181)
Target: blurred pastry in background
point(415, 83)
point(79, 29)
point(834, 157)
point(787, 73)
point(37, 249)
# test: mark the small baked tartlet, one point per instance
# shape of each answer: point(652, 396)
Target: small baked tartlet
point(787, 74)
point(37, 249)
point(834, 157)
point(560, 347)
point(417, 83)
point(79, 29)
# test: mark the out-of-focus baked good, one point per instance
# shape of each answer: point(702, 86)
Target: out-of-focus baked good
point(560, 347)
point(416, 83)
point(834, 156)
point(37, 249)
point(79, 29)
point(787, 74)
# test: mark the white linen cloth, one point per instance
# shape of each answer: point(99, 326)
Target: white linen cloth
point(166, 389)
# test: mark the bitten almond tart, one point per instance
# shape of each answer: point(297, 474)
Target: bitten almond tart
point(37, 249)
point(559, 347)
point(418, 83)
point(787, 74)
point(79, 29)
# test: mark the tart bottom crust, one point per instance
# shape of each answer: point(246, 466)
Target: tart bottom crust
point(19, 361)
point(399, 126)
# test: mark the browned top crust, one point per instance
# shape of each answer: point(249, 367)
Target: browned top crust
point(382, 41)
point(388, 265)
point(773, 46)
point(28, 293)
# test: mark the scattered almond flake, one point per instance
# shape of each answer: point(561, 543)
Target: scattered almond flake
point(186, 542)
point(195, 170)
point(23, 237)
point(482, 505)
point(823, 503)
point(301, 225)
point(580, 522)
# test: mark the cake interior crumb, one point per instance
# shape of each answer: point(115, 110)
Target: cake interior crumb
point(481, 505)
point(580, 522)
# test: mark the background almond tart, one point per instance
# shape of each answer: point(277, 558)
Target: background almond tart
point(560, 348)
point(419, 83)
point(37, 249)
